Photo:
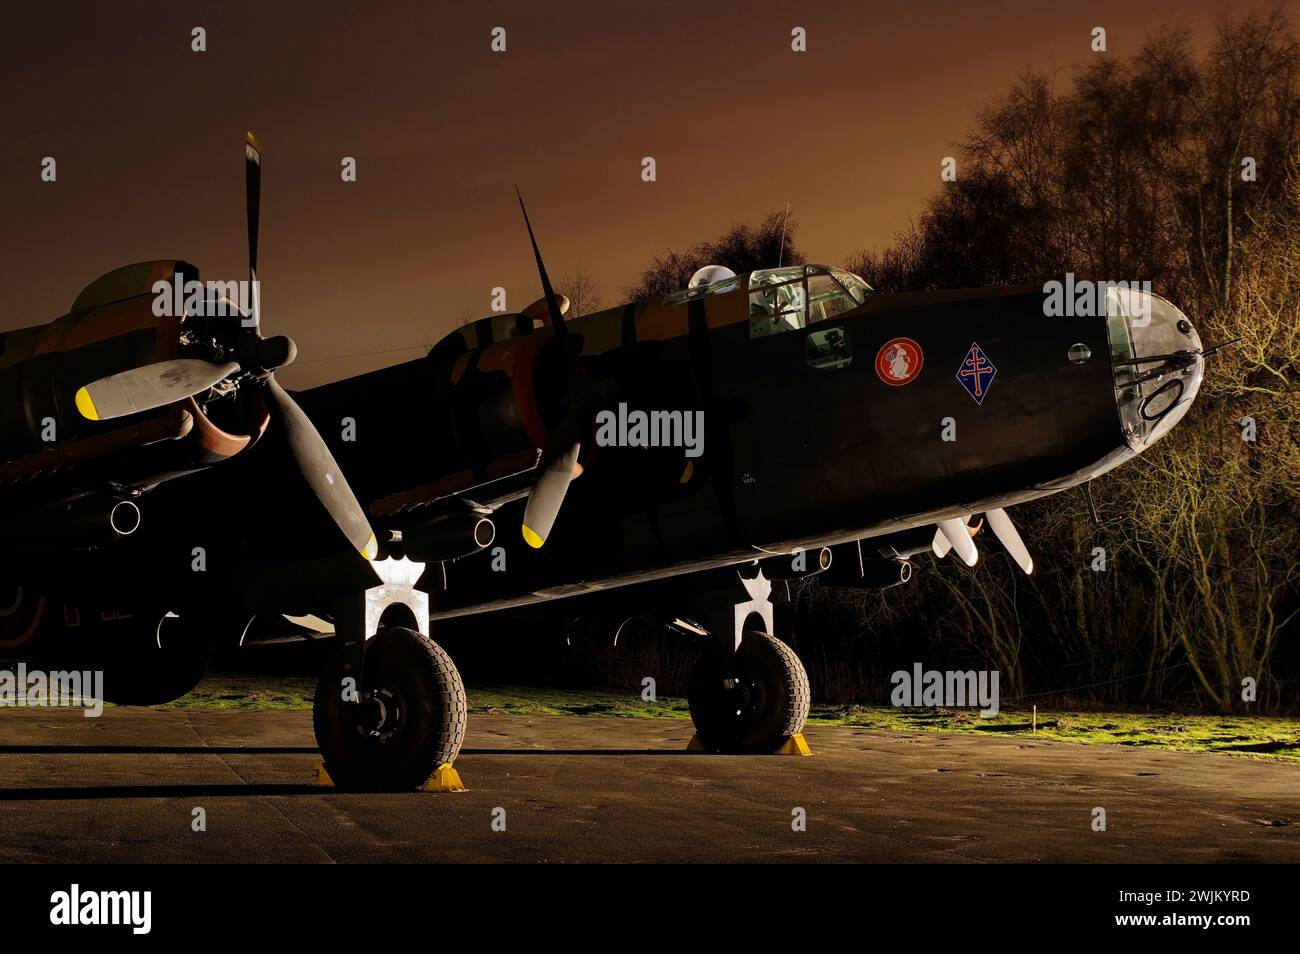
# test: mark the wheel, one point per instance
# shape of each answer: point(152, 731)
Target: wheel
point(752, 701)
point(147, 658)
point(21, 613)
point(410, 718)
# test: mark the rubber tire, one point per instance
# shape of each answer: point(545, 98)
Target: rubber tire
point(155, 678)
point(433, 726)
point(776, 703)
point(138, 673)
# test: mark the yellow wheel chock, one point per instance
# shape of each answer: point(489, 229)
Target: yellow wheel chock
point(444, 779)
point(795, 745)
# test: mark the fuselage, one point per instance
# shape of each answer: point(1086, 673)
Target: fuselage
point(827, 414)
point(814, 431)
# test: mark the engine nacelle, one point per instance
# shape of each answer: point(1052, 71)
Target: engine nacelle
point(875, 575)
point(880, 574)
point(83, 521)
point(796, 566)
point(858, 568)
point(506, 391)
point(447, 537)
point(112, 327)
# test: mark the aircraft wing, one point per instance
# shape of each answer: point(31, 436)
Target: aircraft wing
point(60, 458)
point(502, 481)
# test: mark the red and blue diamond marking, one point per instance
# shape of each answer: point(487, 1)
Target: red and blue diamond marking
point(976, 373)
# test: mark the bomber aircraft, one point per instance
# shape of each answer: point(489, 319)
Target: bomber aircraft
point(160, 489)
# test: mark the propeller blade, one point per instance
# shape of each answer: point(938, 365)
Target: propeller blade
point(319, 469)
point(940, 544)
point(253, 201)
point(309, 450)
point(1006, 531)
point(561, 455)
point(552, 303)
point(148, 387)
point(547, 495)
point(959, 537)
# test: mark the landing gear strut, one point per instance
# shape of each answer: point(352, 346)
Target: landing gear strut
point(749, 691)
point(390, 708)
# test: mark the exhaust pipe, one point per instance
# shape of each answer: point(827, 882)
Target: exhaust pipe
point(124, 518)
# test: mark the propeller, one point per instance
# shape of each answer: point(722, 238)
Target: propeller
point(319, 469)
point(1007, 533)
point(951, 533)
point(148, 387)
point(560, 455)
point(165, 382)
point(253, 208)
point(955, 532)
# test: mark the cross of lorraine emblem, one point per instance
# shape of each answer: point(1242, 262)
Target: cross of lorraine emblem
point(976, 373)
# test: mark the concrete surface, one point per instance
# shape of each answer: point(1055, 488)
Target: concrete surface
point(123, 788)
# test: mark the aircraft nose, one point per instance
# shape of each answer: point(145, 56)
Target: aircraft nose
point(1157, 359)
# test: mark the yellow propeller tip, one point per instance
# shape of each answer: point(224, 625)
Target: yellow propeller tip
point(252, 141)
point(687, 473)
point(532, 539)
point(85, 405)
point(371, 549)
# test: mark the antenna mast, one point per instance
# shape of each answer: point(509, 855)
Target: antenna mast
point(780, 255)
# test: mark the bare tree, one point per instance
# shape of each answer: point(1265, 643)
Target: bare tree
point(742, 248)
point(1183, 172)
point(582, 290)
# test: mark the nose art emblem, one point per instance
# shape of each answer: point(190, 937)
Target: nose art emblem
point(899, 361)
point(976, 373)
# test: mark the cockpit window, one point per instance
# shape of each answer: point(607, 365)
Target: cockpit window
point(855, 286)
point(774, 276)
point(827, 298)
point(787, 299)
point(776, 308)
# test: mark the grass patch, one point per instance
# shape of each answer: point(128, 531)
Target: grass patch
point(1275, 737)
point(1268, 737)
point(525, 700)
point(218, 691)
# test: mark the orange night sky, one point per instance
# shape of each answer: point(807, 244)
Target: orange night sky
point(148, 137)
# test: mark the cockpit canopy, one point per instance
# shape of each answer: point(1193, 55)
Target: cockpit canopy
point(789, 298)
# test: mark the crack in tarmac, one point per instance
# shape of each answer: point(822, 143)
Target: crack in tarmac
point(266, 800)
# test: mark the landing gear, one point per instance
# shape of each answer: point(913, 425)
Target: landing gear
point(749, 691)
point(160, 662)
point(390, 707)
point(21, 613)
point(148, 657)
point(406, 718)
point(753, 700)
